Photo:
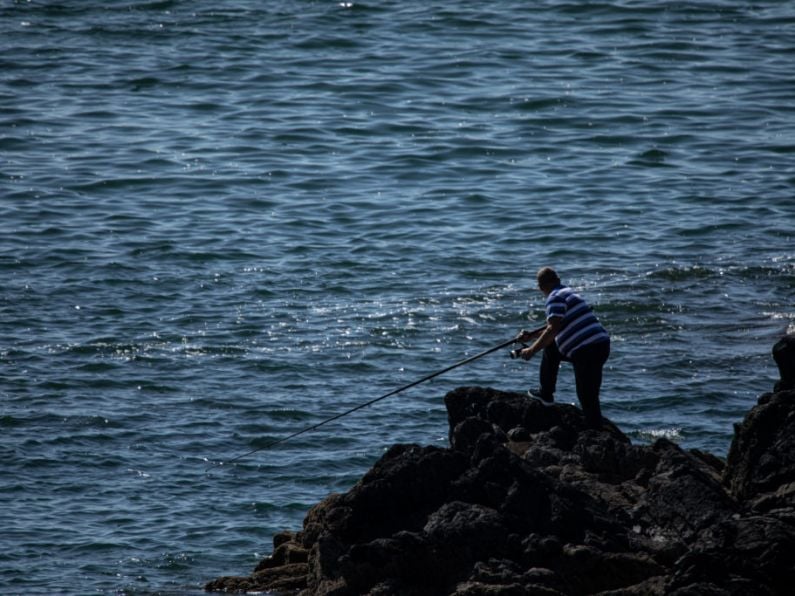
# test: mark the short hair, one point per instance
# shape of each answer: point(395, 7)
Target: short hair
point(547, 275)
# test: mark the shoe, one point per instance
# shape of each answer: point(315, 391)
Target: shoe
point(536, 394)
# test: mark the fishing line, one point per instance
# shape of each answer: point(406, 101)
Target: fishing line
point(377, 399)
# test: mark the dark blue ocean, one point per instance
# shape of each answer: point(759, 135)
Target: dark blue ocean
point(222, 222)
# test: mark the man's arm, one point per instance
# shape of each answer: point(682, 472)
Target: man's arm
point(525, 336)
point(546, 338)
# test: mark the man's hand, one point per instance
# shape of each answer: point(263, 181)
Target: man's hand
point(526, 354)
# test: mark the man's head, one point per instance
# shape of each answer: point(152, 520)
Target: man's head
point(548, 279)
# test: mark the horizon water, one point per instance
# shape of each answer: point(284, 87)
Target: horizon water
point(221, 223)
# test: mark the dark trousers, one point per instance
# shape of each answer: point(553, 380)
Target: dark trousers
point(588, 362)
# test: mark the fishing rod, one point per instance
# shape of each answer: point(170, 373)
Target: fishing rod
point(377, 399)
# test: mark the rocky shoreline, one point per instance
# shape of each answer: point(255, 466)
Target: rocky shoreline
point(528, 501)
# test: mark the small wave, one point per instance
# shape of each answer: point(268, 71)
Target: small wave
point(327, 43)
point(103, 348)
point(144, 83)
point(10, 143)
point(289, 414)
point(682, 273)
point(702, 272)
point(672, 434)
point(651, 158)
point(8, 421)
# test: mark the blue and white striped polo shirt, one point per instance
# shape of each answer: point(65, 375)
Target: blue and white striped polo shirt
point(579, 327)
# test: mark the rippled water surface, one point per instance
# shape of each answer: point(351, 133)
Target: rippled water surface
point(222, 222)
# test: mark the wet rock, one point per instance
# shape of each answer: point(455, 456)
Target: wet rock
point(682, 496)
point(290, 577)
point(745, 555)
point(784, 355)
point(761, 460)
point(527, 500)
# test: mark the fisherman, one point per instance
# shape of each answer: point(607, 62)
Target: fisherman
point(574, 334)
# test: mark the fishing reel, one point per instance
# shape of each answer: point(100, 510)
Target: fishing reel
point(517, 352)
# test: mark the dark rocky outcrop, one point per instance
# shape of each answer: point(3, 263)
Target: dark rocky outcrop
point(527, 500)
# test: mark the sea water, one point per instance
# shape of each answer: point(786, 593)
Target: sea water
point(222, 222)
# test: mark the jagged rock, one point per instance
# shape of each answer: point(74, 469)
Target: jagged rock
point(745, 555)
point(529, 501)
point(399, 492)
point(761, 460)
point(283, 578)
point(286, 553)
point(682, 496)
point(784, 355)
